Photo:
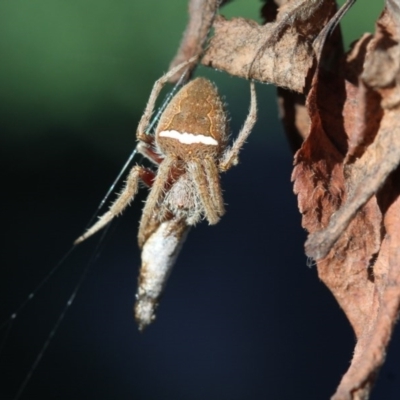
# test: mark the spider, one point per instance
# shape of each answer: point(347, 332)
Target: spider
point(189, 148)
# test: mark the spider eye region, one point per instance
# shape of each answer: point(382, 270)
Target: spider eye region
point(194, 124)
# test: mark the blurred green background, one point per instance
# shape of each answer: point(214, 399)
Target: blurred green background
point(87, 67)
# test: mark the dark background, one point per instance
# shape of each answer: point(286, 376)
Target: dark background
point(243, 317)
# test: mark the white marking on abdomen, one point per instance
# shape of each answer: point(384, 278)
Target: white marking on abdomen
point(189, 138)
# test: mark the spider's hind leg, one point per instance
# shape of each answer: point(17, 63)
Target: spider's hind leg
point(128, 193)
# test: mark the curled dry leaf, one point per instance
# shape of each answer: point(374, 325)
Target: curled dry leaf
point(347, 179)
point(294, 116)
point(293, 111)
point(279, 52)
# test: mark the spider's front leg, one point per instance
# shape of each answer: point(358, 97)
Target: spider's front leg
point(128, 193)
point(141, 132)
point(230, 157)
point(154, 198)
point(212, 175)
point(205, 176)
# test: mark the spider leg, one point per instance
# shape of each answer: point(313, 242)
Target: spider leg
point(123, 200)
point(148, 111)
point(212, 174)
point(198, 175)
point(230, 157)
point(154, 197)
point(147, 150)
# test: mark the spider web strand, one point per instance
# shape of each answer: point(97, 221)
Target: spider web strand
point(34, 292)
point(68, 304)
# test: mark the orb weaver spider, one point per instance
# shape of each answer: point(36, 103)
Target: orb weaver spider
point(189, 149)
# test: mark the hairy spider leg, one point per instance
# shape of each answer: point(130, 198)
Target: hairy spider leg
point(212, 175)
point(148, 150)
point(127, 195)
point(148, 111)
point(196, 172)
point(230, 157)
point(157, 192)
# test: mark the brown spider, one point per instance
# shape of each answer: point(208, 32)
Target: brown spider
point(190, 149)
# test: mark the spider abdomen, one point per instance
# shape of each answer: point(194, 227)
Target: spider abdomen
point(194, 124)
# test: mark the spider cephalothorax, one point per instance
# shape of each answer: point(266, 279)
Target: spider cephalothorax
point(190, 149)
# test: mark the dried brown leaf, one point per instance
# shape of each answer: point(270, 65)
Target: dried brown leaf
point(280, 52)
point(346, 174)
point(384, 303)
point(293, 112)
point(347, 179)
point(294, 116)
point(363, 114)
